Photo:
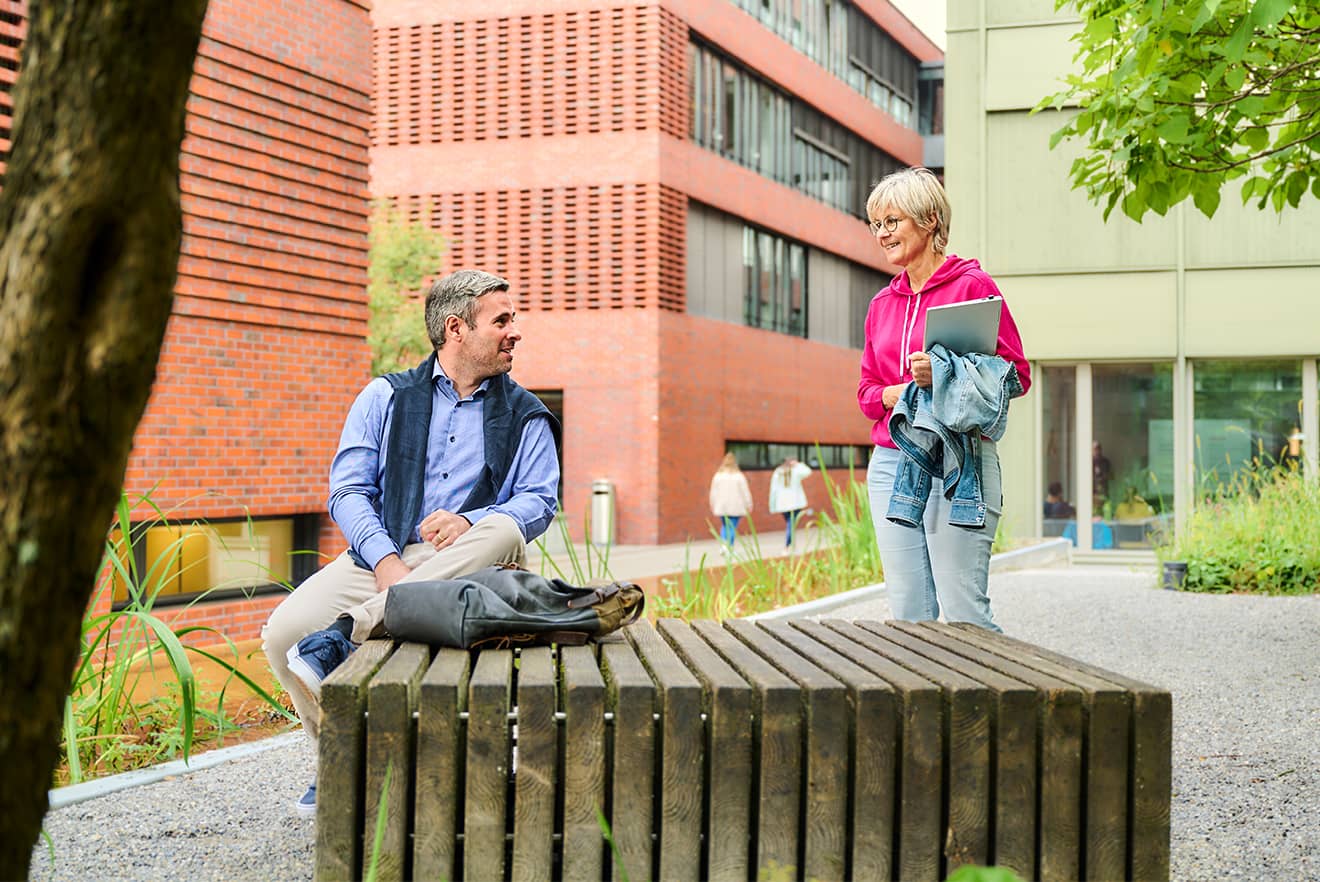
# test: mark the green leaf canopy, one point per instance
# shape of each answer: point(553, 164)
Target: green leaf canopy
point(1178, 97)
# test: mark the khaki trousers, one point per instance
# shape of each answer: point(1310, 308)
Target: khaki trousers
point(343, 588)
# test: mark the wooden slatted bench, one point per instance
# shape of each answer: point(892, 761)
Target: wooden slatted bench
point(801, 750)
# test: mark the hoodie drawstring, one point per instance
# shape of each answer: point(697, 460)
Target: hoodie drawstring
point(909, 325)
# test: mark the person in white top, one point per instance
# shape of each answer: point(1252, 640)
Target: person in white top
point(786, 494)
point(730, 497)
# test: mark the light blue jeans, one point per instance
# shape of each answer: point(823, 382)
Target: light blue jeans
point(936, 566)
point(729, 528)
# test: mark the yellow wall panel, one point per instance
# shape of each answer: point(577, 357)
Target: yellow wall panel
point(1094, 315)
point(963, 123)
point(1253, 312)
point(1017, 466)
point(1006, 12)
point(1035, 223)
point(1023, 65)
point(1244, 235)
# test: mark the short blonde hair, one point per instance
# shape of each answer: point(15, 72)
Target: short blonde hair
point(917, 193)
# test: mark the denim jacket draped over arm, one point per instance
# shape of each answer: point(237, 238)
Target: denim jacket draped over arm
point(938, 431)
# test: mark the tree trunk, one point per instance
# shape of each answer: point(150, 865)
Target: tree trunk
point(91, 223)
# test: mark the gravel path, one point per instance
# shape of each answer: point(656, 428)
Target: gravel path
point(1244, 673)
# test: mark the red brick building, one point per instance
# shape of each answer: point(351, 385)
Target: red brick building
point(266, 346)
point(675, 190)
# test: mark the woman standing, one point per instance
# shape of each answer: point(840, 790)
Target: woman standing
point(786, 494)
point(933, 566)
point(730, 498)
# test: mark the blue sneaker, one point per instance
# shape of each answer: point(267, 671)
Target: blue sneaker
point(316, 655)
point(306, 806)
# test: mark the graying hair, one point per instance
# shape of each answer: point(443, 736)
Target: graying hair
point(917, 193)
point(457, 294)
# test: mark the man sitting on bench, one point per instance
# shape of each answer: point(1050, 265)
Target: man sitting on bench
point(441, 471)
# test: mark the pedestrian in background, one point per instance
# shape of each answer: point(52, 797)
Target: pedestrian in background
point(730, 498)
point(787, 497)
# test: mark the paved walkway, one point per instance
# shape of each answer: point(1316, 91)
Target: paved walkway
point(646, 561)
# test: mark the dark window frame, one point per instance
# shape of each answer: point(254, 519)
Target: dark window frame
point(764, 456)
point(304, 560)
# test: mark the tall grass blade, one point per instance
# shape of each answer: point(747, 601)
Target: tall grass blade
point(382, 813)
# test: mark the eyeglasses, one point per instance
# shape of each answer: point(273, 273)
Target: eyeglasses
point(888, 225)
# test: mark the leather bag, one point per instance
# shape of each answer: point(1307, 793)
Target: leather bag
point(501, 607)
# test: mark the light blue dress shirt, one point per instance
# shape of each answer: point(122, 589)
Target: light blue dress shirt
point(455, 456)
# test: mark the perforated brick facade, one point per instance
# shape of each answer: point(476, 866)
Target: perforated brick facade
point(266, 346)
point(549, 142)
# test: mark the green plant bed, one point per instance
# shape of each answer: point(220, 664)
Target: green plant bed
point(135, 700)
point(1259, 535)
point(752, 584)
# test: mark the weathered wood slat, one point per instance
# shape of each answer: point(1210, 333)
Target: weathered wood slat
point(391, 700)
point(536, 772)
point(967, 713)
point(1106, 717)
point(1013, 747)
point(1060, 734)
point(827, 724)
point(915, 753)
point(583, 694)
point(1148, 739)
point(874, 735)
point(631, 697)
point(340, 759)
point(440, 779)
point(776, 752)
point(486, 799)
point(729, 753)
point(681, 755)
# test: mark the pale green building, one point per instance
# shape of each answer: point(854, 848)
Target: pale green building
point(1184, 346)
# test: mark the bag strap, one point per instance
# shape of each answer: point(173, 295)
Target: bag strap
point(598, 593)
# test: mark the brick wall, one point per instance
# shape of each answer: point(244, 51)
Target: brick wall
point(568, 72)
point(266, 348)
point(725, 382)
point(549, 143)
point(593, 246)
point(651, 397)
point(607, 363)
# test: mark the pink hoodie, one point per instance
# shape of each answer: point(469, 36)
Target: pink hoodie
point(896, 325)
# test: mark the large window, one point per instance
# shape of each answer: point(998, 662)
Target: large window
point(739, 116)
point(1131, 453)
point(1245, 412)
point(820, 172)
point(846, 42)
point(215, 560)
point(930, 100)
point(1113, 453)
point(774, 283)
point(750, 122)
point(763, 455)
point(1122, 474)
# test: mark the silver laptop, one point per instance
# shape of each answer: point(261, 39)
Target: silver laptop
point(971, 326)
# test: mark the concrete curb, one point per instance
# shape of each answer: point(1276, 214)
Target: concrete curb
point(75, 793)
point(1042, 554)
point(1047, 553)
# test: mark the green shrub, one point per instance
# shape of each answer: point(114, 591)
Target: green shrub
point(1260, 534)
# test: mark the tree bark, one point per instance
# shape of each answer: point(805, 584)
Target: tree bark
point(91, 225)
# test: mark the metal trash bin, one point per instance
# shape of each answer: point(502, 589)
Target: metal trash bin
point(602, 512)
